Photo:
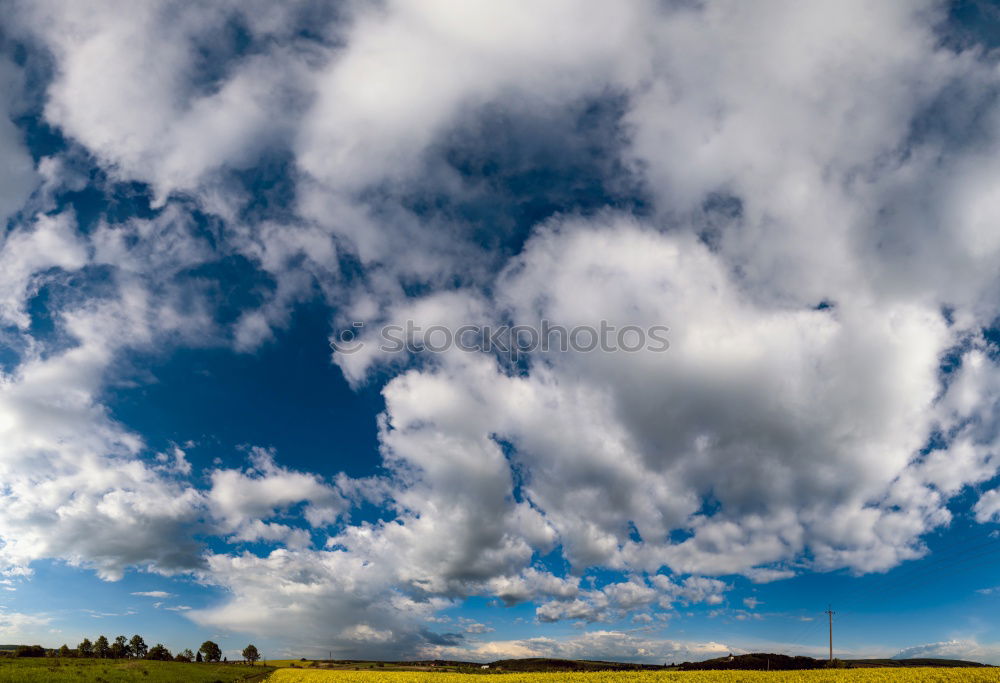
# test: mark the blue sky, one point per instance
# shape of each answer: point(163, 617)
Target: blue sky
point(202, 203)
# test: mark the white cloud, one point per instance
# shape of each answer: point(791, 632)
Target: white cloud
point(74, 488)
point(532, 583)
point(427, 64)
point(473, 627)
point(601, 645)
point(21, 625)
point(127, 85)
point(175, 461)
point(969, 650)
point(318, 599)
point(154, 594)
point(988, 507)
point(767, 575)
point(242, 499)
point(28, 253)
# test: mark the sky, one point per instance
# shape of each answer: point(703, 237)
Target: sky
point(216, 214)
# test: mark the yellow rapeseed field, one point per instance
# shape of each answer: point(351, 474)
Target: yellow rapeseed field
point(900, 675)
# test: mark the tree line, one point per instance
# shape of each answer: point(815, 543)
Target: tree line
point(136, 648)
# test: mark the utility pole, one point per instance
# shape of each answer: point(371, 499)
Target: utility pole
point(830, 613)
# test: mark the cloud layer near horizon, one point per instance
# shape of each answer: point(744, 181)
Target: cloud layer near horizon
point(804, 193)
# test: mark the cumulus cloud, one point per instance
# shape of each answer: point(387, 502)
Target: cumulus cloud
point(31, 254)
point(74, 488)
point(474, 627)
point(319, 599)
point(969, 650)
point(135, 85)
point(19, 624)
point(241, 498)
point(606, 645)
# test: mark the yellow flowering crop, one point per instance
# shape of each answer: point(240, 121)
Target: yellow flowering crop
point(893, 675)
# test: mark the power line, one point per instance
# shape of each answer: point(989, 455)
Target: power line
point(892, 585)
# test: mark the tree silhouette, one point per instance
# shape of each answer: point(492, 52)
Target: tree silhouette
point(158, 653)
point(211, 651)
point(85, 648)
point(101, 647)
point(138, 646)
point(251, 654)
point(120, 648)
